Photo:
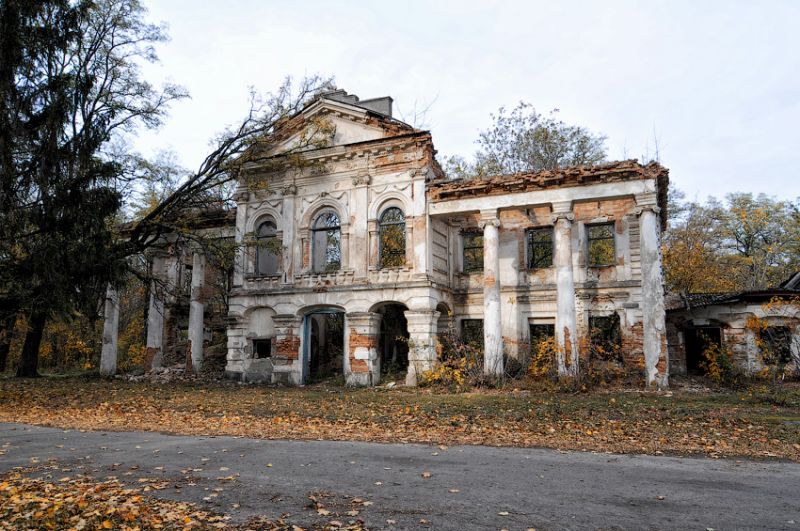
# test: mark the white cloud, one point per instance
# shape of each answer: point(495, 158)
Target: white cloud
point(718, 82)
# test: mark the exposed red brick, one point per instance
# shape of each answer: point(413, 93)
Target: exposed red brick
point(149, 354)
point(289, 346)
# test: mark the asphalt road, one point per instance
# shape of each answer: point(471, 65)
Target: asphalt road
point(469, 487)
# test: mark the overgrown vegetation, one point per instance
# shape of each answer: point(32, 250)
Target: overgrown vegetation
point(524, 140)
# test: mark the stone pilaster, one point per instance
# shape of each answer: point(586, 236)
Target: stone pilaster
point(240, 263)
point(287, 359)
point(108, 355)
point(359, 243)
point(566, 330)
point(364, 363)
point(422, 343)
point(492, 324)
point(653, 314)
point(194, 349)
point(289, 253)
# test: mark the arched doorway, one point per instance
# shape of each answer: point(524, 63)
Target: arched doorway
point(324, 353)
point(393, 338)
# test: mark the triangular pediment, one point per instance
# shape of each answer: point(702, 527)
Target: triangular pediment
point(328, 123)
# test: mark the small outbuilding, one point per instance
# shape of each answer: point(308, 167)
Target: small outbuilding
point(755, 327)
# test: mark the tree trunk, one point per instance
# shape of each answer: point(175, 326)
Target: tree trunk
point(29, 361)
point(6, 332)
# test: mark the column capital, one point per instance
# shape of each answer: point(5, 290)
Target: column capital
point(370, 319)
point(241, 194)
point(489, 217)
point(561, 210)
point(289, 190)
point(361, 180)
point(639, 210)
point(286, 319)
point(555, 216)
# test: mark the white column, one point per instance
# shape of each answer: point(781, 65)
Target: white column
point(422, 343)
point(108, 355)
point(196, 309)
point(566, 335)
point(154, 357)
point(492, 324)
point(653, 314)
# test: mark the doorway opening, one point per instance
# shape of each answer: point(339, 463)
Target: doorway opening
point(697, 341)
point(393, 338)
point(325, 352)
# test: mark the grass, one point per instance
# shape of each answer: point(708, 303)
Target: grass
point(753, 422)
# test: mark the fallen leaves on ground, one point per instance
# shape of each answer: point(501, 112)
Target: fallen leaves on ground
point(29, 501)
point(79, 503)
point(714, 424)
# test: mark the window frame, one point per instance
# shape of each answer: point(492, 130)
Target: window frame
point(385, 224)
point(263, 341)
point(259, 238)
point(528, 246)
point(327, 266)
point(471, 234)
point(612, 344)
point(589, 239)
point(778, 339)
point(463, 325)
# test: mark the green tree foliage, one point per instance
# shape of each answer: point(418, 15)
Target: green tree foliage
point(527, 141)
point(745, 242)
point(70, 86)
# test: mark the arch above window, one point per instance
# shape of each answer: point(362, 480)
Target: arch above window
point(392, 230)
point(267, 249)
point(326, 242)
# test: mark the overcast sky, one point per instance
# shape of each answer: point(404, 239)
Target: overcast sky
point(716, 83)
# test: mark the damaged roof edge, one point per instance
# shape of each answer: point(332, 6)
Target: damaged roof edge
point(571, 176)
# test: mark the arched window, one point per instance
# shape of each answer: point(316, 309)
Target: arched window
point(267, 254)
point(393, 238)
point(326, 240)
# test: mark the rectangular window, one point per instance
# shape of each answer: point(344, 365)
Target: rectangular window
point(540, 333)
point(601, 247)
point(472, 332)
point(540, 248)
point(776, 344)
point(473, 251)
point(605, 336)
point(262, 348)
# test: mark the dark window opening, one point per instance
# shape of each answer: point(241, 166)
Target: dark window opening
point(392, 238)
point(472, 332)
point(326, 242)
point(473, 251)
point(393, 339)
point(267, 256)
point(262, 348)
point(540, 248)
point(697, 341)
point(776, 344)
point(326, 348)
point(601, 247)
point(605, 336)
point(540, 333)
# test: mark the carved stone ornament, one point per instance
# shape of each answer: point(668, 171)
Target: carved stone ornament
point(361, 180)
